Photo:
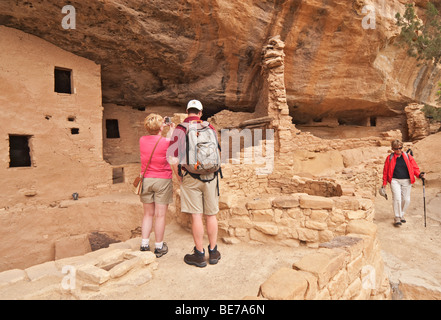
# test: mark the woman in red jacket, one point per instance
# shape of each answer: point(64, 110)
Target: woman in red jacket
point(400, 170)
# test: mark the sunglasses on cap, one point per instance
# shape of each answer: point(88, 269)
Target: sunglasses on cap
point(399, 148)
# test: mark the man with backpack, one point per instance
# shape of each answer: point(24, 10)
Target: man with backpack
point(400, 170)
point(195, 154)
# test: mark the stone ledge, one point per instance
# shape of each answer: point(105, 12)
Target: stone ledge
point(125, 268)
point(284, 284)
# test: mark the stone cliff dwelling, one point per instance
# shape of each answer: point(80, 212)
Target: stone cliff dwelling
point(72, 115)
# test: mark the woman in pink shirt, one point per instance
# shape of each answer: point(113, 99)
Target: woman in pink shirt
point(157, 187)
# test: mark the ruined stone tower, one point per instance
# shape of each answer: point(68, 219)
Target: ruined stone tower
point(273, 98)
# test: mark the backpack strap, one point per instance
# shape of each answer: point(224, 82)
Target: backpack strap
point(392, 155)
point(204, 124)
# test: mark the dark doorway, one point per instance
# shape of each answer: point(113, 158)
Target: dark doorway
point(63, 80)
point(19, 151)
point(112, 129)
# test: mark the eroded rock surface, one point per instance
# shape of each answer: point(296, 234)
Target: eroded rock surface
point(163, 53)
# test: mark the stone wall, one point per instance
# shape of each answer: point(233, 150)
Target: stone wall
point(292, 220)
point(30, 233)
point(125, 149)
point(417, 123)
point(345, 268)
point(62, 130)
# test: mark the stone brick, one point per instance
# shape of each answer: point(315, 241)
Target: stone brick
point(267, 228)
point(136, 278)
point(295, 213)
point(147, 257)
point(259, 204)
point(354, 268)
point(287, 232)
point(124, 267)
point(316, 225)
point(319, 215)
point(241, 232)
point(284, 284)
point(241, 222)
point(362, 227)
point(111, 257)
point(43, 270)
point(93, 274)
point(286, 202)
point(315, 202)
point(325, 235)
point(12, 276)
point(338, 284)
point(368, 243)
point(263, 215)
point(240, 211)
point(261, 237)
point(323, 264)
point(347, 203)
point(312, 290)
point(354, 246)
point(337, 216)
point(356, 215)
point(366, 204)
point(352, 290)
point(308, 235)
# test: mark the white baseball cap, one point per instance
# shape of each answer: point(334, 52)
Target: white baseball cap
point(196, 104)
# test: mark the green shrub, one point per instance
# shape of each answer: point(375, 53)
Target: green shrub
point(423, 40)
point(432, 112)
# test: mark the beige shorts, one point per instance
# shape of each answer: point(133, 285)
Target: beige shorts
point(157, 190)
point(199, 197)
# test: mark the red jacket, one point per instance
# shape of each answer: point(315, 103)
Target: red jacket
point(389, 166)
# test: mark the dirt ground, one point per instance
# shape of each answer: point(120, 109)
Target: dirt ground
point(245, 266)
point(412, 245)
point(240, 272)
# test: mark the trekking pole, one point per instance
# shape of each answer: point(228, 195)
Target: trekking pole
point(424, 198)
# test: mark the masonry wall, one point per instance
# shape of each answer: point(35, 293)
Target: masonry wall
point(292, 220)
point(64, 130)
point(122, 153)
point(125, 148)
point(65, 137)
point(345, 268)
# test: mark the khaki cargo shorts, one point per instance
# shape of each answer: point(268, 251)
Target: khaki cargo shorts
point(157, 190)
point(199, 197)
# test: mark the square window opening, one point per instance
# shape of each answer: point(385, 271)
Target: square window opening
point(118, 175)
point(63, 80)
point(74, 131)
point(112, 129)
point(19, 151)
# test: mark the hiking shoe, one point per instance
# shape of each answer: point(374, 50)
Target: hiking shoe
point(214, 255)
point(403, 220)
point(196, 259)
point(160, 252)
point(144, 248)
point(397, 222)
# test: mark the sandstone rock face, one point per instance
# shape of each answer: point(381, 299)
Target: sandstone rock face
point(164, 53)
point(417, 123)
